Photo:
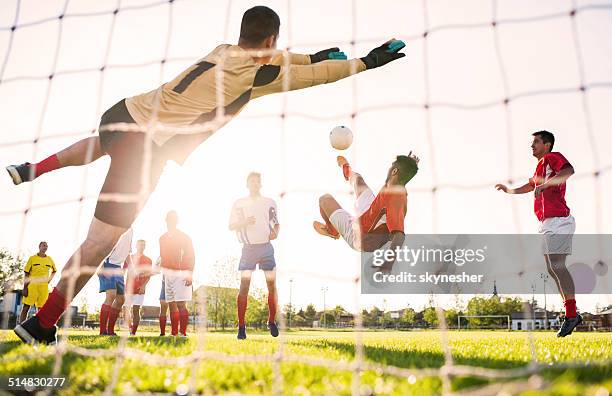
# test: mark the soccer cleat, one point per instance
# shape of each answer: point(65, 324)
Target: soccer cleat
point(273, 329)
point(322, 229)
point(181, 335)
point(568, 326)
point(31, 332)
point(242, 332)
point(346, 168)
point(21, 173)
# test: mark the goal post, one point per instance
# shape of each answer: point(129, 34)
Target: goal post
point(483, 316)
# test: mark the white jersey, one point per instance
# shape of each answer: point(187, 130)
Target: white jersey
point(122, 249)
point(263, 210)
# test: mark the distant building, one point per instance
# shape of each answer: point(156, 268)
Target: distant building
point(534, 319)
point(605, 317)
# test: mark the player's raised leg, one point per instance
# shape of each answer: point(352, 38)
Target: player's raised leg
point(100, 239)
point(327, 206)
point(80, 153)
point(555, 264)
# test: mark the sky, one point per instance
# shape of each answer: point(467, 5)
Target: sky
point(467, 139)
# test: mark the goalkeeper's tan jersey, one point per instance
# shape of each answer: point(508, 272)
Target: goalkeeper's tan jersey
point(191, 98)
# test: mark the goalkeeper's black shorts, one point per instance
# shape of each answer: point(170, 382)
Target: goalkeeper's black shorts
point(124, 179)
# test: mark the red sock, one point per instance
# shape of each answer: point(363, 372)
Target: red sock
point(570, 308)
point(104, 311)
point(51, 311)
point(242, 306)
point(328, 224)
point(174, 322)
point(47, 165)
point(271, 307)
point(183, 321)
point(134, 328)
point(162, 324)
point(112, 319)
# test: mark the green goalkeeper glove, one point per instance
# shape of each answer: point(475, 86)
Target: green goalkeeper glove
point(384, 54)
point(327, 54)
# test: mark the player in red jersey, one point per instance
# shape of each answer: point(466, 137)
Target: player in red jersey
point(177, 261)
point(138, 275)
point(557, 225)
point(379, 219)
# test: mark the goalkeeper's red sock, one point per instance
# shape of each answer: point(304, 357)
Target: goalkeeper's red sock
point(330, 227)
point(570, 308)
point(174, 322)
point(271, 307)
point(47, 165)
point(162, 324)
point(183, 321)
point(51, 311)
point(242, 306)
point(112, 319)
point(104, 311)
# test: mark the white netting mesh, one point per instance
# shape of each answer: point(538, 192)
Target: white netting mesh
point(477, 79)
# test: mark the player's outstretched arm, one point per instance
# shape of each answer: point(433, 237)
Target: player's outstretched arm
point(308, 59)
point(520, 190)
point(278, 78)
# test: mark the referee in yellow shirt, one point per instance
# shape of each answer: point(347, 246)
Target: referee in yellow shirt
point(37, 278)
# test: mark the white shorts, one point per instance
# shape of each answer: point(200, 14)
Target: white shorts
point(557, 234)
point(134, 299)
point(176, 289)
point(347, 224)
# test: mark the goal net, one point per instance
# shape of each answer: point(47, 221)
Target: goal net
point(477, 80)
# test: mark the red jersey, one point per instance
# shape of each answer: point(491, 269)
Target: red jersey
point(392, 204)
point(176, 251)
point(141, 279)
point(551, 202)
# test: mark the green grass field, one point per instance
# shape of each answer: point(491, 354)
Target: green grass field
point(409, 350)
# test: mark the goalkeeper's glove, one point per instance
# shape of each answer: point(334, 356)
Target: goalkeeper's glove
point(384, 54)
point(327, 54)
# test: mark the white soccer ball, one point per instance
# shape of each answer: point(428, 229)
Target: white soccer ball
point(341, 137)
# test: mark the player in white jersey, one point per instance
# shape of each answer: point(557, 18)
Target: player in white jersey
point(255, 221)
point(112, 283)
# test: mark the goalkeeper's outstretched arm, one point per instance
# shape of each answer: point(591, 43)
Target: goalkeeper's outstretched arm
point(273, 78)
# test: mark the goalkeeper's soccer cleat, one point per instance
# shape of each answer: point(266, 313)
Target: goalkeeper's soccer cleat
point(273, 329)
point(31, 332)
point(242, 332)
point(569, 324)
point(21, 173)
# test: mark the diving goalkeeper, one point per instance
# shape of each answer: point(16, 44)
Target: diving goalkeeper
point(191, 99)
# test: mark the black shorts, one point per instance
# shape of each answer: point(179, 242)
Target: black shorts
point(125, 175)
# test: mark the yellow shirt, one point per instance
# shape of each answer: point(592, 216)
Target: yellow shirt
point(40, 267)
point(192, 98)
